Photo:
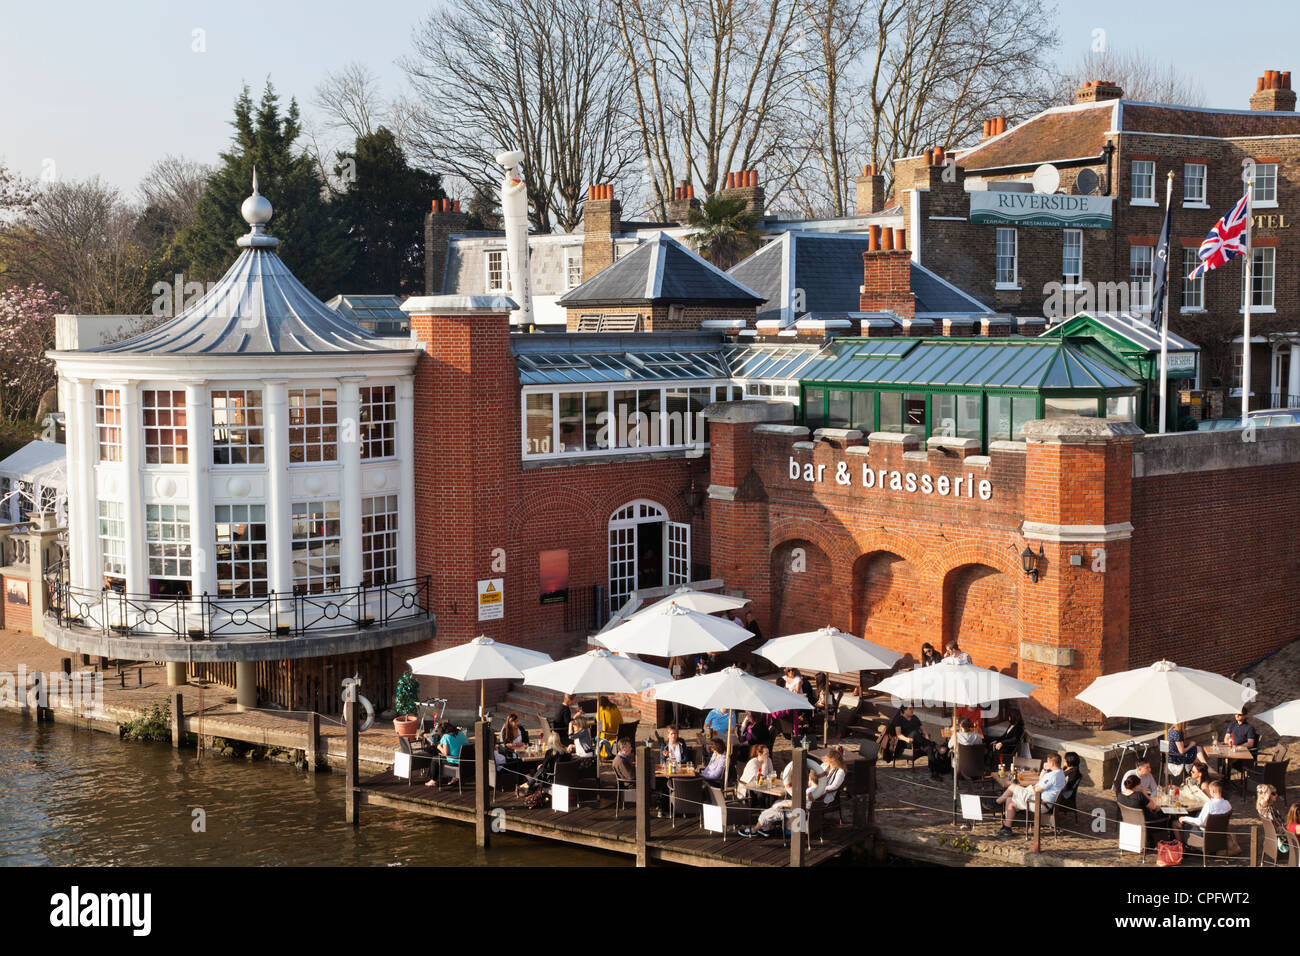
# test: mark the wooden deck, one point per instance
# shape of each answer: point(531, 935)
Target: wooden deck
point(597, 827)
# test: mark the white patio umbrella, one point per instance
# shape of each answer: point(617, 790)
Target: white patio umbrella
point(1165, 692)
point(482, 659)
point(597, 672)
point(1284, 718)
point(955, 683)
point(829, 650)
point(735, 690)
point(706, 602)
point(671, 629)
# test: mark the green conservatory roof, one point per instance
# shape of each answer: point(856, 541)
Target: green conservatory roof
point(963, 363)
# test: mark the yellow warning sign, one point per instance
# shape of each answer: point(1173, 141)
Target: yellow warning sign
point(491, 603)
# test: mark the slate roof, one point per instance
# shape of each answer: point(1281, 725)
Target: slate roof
point(661, 269)
point(827, 267)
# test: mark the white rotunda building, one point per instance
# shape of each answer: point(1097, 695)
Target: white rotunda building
point(241, 477)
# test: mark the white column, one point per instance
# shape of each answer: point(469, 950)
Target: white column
point(198, 419)
point(1293, 377)
point(279, 545)
point(83, 536)
point(350, 492)
point(137, 575)
point(406, 480)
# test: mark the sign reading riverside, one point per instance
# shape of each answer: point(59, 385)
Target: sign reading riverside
point(883, 479)
point(1039, 209)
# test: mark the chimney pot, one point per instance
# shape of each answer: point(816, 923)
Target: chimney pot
point(1259, 84)
point(690, 192)
point(887, 240)
point(873, 238)
point(900, 238)
point(1286, 79)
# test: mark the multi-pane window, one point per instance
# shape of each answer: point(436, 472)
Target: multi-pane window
point(496, 271)
point(572, 268)
point(166, 441)
point(1193, 289)
point(313, 425)
point(1144, 181)
point(605, 421)
point(241, 551)
point(1006, 257)
point(112, 538)
point(1265, 190)
point(108, 423)
point(237, 434)
point(167, 539)
point(378, 421)
point(315, 531)
point(378, 540)
point(1008, 414)
point(1140, 260)
point(1194, 183)
point(1262, 262)
point(1072, 257)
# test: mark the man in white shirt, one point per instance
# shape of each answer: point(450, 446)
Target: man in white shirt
point(1216, 804)
point(1016, 797)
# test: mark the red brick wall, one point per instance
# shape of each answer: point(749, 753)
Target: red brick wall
point(1214, 566)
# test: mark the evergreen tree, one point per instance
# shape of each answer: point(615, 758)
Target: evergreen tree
point(725, 231)
point(313, 243)
point(383, 209)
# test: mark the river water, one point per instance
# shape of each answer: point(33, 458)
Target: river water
point(78, 797)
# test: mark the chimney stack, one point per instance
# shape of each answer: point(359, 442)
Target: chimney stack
point(745, 183)
point(683, 201)
point(1097, 91)
point(443, 221)
point(1273, 92)
point(601, 221)
point(886, 277)
point(870, 190)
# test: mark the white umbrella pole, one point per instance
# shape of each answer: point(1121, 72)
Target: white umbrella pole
point(482, 698)
point(726, 771)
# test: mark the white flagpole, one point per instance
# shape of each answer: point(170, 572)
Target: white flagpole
point(1164, 317)
point(1249, 177)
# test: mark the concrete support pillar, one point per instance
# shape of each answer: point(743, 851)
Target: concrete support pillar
point(176, 674)
point(246, 684)
point(279, 546)
point(198, 418)
point(350, 490)
point(1293, 377)
point(137, 578)
point(83, 537)
point(406, 483)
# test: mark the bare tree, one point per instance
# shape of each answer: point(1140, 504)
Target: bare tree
point(1140, 75)
point(349, 98)
point(545, 77)
point(170, 192)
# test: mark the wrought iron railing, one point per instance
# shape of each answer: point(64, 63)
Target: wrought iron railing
point(1282, 400)
point(222, 618)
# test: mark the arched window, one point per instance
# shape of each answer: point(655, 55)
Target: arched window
point(646, 550)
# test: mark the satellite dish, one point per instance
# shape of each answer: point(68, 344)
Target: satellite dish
point(1087, 182)
point(1046, 179)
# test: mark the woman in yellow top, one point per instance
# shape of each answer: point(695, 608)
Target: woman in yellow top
point(610, 718)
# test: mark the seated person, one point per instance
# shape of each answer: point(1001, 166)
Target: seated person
point(1181, 753)
point(555, 754)
point(1241, 733)
point(624, 762)
point(929, 655)
point(1005, 747)
point(1187, 826)
point(1293, 818)
point(449, 745)
point(581, 743)
point(754, 730)
point(906, 729)
point(1199, 776)
point(609, 719)
point(717, 765)
point(673, 750)
point(1131, 794)
point(1051, 782)
point(975, 715)
point(967, 735)
point(952, 650)
point(1074, 775)
point(760, 762)
point(823, 784)
point(716, 723)
point(513, 733)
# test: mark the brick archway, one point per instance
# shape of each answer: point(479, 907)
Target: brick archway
point(801, 586)
point(888, 603)
point(980, 612)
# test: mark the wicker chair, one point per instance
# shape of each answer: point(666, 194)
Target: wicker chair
point(1215, 838)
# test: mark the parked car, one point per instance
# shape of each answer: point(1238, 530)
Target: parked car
point(1218, 424)
point(1275, 416)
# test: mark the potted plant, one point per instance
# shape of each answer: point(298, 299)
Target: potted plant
point(404, 700)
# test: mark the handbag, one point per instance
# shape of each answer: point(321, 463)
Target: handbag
point(1169, 853)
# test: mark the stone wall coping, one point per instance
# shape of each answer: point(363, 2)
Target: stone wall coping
point(1077, 430)
point(863, 450)
point(1187, 452)
point(946, 441)
point(1003, 445)
point(459, 304)
point(977, 461)
point(805, 445)
point(749, 411)
point(894, 438)
point(916, 456)
point(796, 430)
point(838, 434)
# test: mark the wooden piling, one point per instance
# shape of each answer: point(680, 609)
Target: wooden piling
point(798, 786)
point(642, 807)
point(484, 756)
point(178, 718)
point(311, 750)
point(351, 801)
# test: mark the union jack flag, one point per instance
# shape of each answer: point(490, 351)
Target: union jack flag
point(1225, 242)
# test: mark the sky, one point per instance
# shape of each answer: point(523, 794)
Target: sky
point(95, 88)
